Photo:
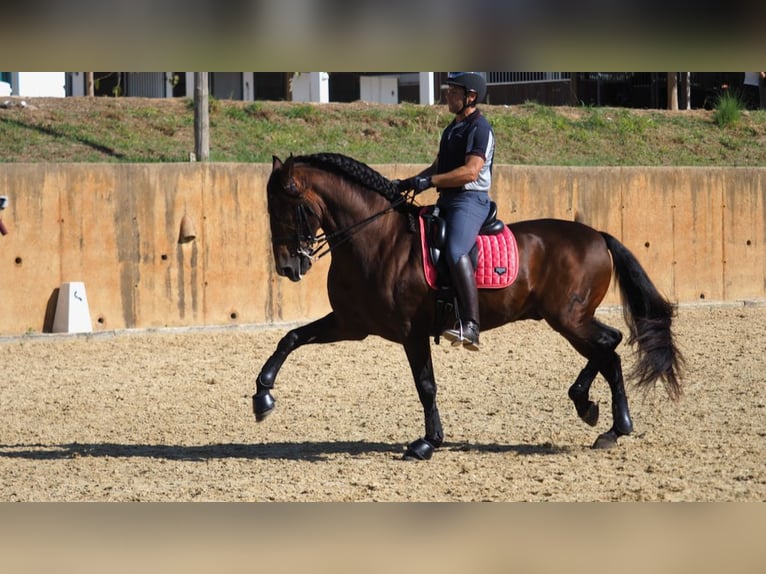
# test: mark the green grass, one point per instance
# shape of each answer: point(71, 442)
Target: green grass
point(153, 130)
point(728, 110)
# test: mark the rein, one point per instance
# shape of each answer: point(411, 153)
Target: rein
point(314, 251)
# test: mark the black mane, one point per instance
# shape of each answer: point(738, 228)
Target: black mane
point(352, 169)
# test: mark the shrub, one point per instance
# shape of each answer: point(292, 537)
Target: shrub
point(728, 110)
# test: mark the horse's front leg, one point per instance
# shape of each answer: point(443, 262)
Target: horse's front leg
point(418, 351)
point(324, 330)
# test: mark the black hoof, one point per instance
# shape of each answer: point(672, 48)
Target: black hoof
point(590, 416)
point(421, 449)
point(605, 441)
point(263, 404)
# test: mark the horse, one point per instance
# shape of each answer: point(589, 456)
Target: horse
point(376, 286)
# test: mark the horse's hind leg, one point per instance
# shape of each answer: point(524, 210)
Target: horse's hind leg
point(622, 423)
point(324, 330)
point(606, 338)
point(587, 410)
point(598, 346)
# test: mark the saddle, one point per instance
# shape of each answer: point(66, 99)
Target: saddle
point(495, 255)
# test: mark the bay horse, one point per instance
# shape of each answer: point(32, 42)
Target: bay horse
point(376, 286)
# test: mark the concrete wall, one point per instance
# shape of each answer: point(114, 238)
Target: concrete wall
point(699, 232)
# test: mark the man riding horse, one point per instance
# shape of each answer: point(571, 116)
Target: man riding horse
point(462, 174)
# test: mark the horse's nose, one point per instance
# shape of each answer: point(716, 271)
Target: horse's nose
point(292, 266)
point(305, 265)
point(290, 272)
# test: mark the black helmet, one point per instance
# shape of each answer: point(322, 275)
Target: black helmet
point(471, 81)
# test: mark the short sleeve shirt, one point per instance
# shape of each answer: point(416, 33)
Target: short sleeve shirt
point(471, 136)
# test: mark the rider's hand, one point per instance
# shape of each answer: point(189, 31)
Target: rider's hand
point(401, 185)
point(418, 183)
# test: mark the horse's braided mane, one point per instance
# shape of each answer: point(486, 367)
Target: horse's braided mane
point(352, 169)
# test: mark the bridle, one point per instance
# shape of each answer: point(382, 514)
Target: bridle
point(314, 247)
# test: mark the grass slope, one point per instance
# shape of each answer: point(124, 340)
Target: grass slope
point(162, 130)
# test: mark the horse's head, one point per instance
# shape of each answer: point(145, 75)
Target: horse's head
point(293, 221)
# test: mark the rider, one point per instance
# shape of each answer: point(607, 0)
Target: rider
point(462, 174)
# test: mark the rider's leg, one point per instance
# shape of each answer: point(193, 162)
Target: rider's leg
point(466, 330)
point(464, 212)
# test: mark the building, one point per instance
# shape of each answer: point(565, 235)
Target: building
point(33, 84)
point(625, 89)
point(392, 87)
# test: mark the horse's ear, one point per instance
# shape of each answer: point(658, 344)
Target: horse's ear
point(287, 168)
point(286, 175)
point(276, 163)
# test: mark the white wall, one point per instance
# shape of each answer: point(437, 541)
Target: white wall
point(40, 84)
point(379, 89)
point(311, 87)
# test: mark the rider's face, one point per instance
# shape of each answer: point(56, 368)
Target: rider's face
point(456, 97)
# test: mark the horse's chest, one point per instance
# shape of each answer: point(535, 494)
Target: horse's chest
point(362, 290)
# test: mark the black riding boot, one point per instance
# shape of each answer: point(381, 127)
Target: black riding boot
point(466, 330)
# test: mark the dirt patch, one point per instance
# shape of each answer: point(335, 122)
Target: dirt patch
point(166, 416)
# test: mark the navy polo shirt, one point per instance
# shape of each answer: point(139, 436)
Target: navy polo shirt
point(471, 136)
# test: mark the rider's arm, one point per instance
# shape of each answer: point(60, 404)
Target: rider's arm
point(459, 176)
point(430, 170)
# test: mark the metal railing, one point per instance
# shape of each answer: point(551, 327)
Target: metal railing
point(496, 78)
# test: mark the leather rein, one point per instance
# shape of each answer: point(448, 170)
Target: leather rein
point(315, 247)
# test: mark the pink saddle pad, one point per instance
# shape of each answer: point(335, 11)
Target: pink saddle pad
point(497, 264)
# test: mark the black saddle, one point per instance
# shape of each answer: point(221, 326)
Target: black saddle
point(436, 232)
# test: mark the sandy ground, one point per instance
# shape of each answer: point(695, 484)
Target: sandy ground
point(166, 416)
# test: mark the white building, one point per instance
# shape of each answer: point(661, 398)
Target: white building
point(304, 86)
point(33, 84)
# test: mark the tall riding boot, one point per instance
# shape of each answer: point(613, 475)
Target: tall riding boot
point(466, 330)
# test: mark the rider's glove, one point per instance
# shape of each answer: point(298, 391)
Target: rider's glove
point(418, 183)
point(401, 185)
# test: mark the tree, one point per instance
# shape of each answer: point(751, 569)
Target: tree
point(673, 91)
point(201, 117)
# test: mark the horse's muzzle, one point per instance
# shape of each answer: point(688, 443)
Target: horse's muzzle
point(294, 268)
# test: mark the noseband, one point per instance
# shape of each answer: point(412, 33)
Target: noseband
point(305, 236)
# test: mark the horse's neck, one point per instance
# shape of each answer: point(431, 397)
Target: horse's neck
point(364, 230)
point(347, 206)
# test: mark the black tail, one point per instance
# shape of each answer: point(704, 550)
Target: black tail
point(649, 317)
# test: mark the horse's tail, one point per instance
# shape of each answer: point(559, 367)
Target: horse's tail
point(649, 317)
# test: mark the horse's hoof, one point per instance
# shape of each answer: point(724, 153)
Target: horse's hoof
point(263, 404)
point(605, 441)
point(590, 416)
point(421, 449)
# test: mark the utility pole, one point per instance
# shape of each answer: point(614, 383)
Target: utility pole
point(89, 84)
point(688, 86)
point(201, 117)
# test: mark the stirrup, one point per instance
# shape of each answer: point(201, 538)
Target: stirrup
point(467, 336)
point(454, 335)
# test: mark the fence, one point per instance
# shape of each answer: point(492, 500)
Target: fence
point(494, 78)
point(699, 232)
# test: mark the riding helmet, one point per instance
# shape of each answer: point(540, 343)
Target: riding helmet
point(470, 81)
